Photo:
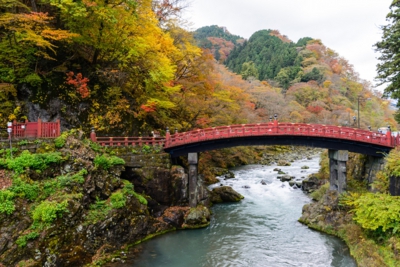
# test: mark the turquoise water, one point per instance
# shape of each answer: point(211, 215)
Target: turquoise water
point(262, 230)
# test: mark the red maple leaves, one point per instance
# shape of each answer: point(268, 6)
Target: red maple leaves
point(79, 82)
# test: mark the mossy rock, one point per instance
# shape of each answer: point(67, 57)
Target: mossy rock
point(225, 194)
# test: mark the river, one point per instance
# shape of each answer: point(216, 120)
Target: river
point(261, 230)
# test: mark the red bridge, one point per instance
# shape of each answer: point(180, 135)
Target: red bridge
point(338, 140)
point(273, 133)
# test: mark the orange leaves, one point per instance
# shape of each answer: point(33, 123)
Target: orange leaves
point(149, 107)
point(315, 109)
point(79, 82)
point(335, 66)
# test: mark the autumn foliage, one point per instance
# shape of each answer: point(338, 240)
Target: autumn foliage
point(79, 82)
point(148, 73)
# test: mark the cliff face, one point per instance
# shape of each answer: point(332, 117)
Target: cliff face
point(85, 206)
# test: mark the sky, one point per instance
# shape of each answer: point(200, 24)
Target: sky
point(349, 27)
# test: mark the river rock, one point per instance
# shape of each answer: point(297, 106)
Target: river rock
point(225, 194)
point(283, 163)
point(295, 184)
point(285, 178)
point(197, 217)
point(175, 216)
point(311, 183)
point(305, 167)
point(229, 175)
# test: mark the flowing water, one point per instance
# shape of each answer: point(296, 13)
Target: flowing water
point(261, 230)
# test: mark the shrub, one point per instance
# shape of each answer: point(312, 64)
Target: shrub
point(377, 212)
point(23, 142)
point(35, 161)
point(96, 147)
point(48, 211)
point(106, 162)
point(60, 141)
point(146, 149)
point(25, 190)
point(6, 202)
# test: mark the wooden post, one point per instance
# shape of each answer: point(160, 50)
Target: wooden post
point(39, 128)
point(93, 135)
point(275, 126)
point(58, 129)
point(167, 137)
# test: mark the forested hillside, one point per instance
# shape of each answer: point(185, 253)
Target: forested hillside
point(127, 68)
point(305, 82)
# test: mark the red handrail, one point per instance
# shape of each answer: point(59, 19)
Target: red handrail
point(281, 129)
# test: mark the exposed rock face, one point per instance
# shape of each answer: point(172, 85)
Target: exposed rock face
point(325, 213)
point(225, 194)
point(80, 236)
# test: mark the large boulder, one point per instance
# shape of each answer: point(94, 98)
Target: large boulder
point(310, 184)
point(225, 194)
point(197, 217)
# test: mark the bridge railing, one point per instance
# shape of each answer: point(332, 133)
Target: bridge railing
point(279, 129)
point(130, 141)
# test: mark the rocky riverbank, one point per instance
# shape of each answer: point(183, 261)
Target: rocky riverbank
point(73, 203)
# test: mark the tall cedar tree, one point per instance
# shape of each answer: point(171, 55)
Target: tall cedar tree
point(389, 47)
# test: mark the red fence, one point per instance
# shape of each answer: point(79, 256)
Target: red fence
point(37, 129)
point(281, 129)
point(127, 141)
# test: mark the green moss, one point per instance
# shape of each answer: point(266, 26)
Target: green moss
point(320, 192)
point(118, 200)
point(23, 240)
point(129, 190)
point(150, 236)
point(34, 161)
point(48, 211)
point(106, 162)
point(97, 212)
point(26, 190)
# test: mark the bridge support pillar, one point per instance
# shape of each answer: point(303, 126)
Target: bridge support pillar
point(337, 168)
point(372, 166)
point(193, 166)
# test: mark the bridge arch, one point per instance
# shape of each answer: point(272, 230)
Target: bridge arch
point(313, 135)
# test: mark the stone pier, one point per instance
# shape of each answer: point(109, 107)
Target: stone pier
point(337, 167)
point(193, 160)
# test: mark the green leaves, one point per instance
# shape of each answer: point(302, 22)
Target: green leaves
point(6, 202)
point(106, 162)
point(377, 212)
point(48, 211)
point(35, 161)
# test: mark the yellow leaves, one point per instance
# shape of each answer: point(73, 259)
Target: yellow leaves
point(32, 29)
point(327, 83)
point(58, 35)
